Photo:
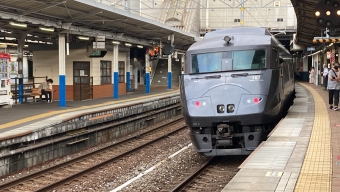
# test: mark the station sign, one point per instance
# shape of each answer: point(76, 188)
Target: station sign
point(98, 45)
point(310, 48)
point(100, 38)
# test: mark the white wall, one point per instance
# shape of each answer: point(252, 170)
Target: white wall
point(46, 63)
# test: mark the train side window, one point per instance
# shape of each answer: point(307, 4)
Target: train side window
point(275, 57)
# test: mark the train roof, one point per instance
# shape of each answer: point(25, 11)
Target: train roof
point(242, 36)
point(237, 31)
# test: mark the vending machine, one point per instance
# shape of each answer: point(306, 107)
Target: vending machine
point(5, 80)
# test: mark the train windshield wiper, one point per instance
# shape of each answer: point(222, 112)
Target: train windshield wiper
point(209, 77)
point(240, 74)
point(213, 77)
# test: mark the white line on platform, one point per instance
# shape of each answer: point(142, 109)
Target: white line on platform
point(149, 170)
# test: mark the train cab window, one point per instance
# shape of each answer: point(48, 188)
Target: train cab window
point(249, 59)
point(227, 61)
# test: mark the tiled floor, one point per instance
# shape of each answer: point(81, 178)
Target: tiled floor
point(297, 155)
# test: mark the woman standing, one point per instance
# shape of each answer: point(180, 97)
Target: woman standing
point(333, 87)
point(311, 76)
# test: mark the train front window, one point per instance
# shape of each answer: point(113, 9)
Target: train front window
point(227, 61)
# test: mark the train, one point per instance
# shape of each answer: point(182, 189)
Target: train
point(237, 84)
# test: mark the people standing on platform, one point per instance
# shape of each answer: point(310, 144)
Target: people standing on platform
point(46, 89)
point(325, 76)
point(333, 87)
point(311, 76)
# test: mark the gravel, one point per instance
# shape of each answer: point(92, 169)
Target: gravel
point(119, 172)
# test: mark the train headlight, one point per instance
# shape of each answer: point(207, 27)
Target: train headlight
point(230, 108)
point(220, 109)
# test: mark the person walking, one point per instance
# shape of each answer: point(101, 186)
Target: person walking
point(333, 87)
point(311, 76)
point(325, 76)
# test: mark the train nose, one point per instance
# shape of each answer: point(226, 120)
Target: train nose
point(226, 97)
point(234, 100)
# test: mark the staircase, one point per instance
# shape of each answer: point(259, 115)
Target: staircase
point(161, 74)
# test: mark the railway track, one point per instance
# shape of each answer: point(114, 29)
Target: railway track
point(212, 175)
point(60, 174)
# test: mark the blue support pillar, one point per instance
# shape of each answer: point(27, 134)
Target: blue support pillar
point(128, 82)
point(147, 82)
point(115, 72)
point(62, 71)
point(21, 89)
point(169, 80)
point(147, 74)
point(62, 91)
point(169, 72)
point(115, 85)
point(127, 69)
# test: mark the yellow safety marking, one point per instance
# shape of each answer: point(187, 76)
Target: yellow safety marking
point(44, 115)
point(316, 172)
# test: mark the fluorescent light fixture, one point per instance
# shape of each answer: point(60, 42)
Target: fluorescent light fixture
point(46, 29)
point(83, 38)
point(128, 44)
point(116, 42)
point(140, 46)
point(18, 24)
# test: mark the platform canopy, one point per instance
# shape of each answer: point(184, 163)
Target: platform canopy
point(42, 20)
point(307, 26)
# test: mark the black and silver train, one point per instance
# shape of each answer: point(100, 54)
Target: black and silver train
point(237, 84)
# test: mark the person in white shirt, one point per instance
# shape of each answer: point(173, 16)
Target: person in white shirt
point(325, 76)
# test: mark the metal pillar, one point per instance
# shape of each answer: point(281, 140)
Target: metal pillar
point(147, 74)
point(115, 72)
point(62, 78)
point(21, 44)
point(182, 65)
point(127, 67)
point(169, 73)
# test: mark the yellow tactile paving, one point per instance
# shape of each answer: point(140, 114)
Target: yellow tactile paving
point(49, 114)
point(316, 172)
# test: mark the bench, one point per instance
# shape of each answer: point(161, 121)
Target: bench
point(34, 93)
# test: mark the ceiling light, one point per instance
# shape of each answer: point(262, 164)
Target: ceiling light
point(46, 29)
point(140, 46)
point(338, 12)
point(328, 13)
point(116, 42)
point(317, 13)
point(18, 24)
point(83, 38)
point(128, 44)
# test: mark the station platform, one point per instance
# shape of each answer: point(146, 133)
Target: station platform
point(31, 115)
point(301, 153)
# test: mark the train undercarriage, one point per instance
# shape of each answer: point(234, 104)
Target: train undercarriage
point(229, 139)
